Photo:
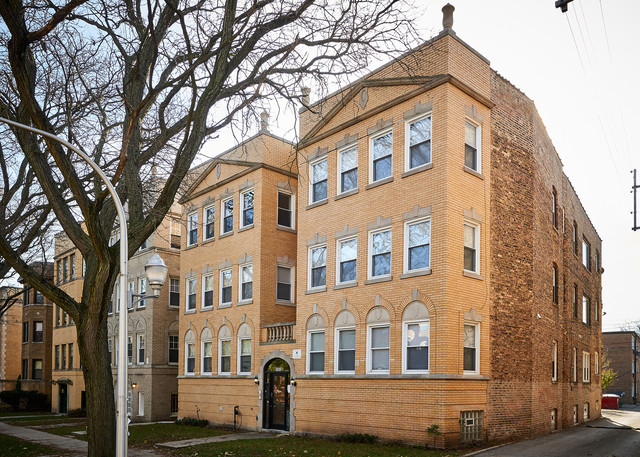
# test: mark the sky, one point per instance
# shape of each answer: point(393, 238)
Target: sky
point(581, 69)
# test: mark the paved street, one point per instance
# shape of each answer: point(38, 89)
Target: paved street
point(616, 434)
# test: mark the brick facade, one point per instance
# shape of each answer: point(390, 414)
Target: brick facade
point(10, 339)
point(621, 351)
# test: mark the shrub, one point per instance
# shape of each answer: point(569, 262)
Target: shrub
point(77, 413)
point(356, 438)
point(193, 421)
point(22, 399)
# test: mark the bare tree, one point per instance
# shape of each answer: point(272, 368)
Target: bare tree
point(140, 85)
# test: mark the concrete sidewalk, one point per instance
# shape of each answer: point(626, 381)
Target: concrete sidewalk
point(218, 439)
point(67, 445)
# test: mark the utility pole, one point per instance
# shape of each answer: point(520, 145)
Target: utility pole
point(635, 201)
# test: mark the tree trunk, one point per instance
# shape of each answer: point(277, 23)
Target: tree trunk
point(96, 368)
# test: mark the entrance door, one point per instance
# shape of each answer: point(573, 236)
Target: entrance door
point(62, 398)
point(276, 395)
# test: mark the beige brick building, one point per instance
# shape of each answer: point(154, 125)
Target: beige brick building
point(445, 270)
point(10, 337)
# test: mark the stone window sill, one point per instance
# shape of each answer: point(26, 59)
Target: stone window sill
point(379, 183)
point(413, 171)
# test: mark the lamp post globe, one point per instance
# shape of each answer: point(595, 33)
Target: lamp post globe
point(156, 271)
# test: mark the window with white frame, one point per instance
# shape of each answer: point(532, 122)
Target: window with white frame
point(244, 355)
point(72, 266)
point(348, 169)
point(471, 146)
point(142, 290)
point(554, 361)
point(246, 201)
point(192, 228)
point(174, 292)
point(190, 358)
point(471, 244)
point(227, 215)
point(586, 367)
point(173, 349)
point(318, 181)
point(596, 363)
point(315, 344)
point(207, 291)
point(206, 351)
point(471, 340)
point(381, 148)
point(246, 282)
point(129, 350)
point(416, 341)
point(317, 266)
point(346, 350)
point(347, 260)
point(285, 209)
point(140, 349)
point(284, 287)
point(117, 348)
point(586, 254)
point(131, 285)
point(586, 310)
point(191, 294)
point(225, 287)
point(380, 253)
point(378, 338)
point(555, 286)
point(209, 213)
point(224, 364)
point(418, 245)
point(418, 145)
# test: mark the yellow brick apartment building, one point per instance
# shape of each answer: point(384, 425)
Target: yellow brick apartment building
point(428, 264)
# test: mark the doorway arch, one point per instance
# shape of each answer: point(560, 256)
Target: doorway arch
point(277, 392)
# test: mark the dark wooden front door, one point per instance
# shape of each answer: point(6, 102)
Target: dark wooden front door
point(276, 395)
point(62, 398)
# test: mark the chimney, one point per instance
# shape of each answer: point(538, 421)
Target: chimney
point(264, 121)
point(306, 99)
point(447, 16)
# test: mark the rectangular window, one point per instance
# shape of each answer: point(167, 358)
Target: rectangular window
point(63, 358)
point(65, 269)
point(471, 146)
point(586, 254)
point(418, 146)
point(140, 349)
point(416, 344)
point(596, 310)
point(110, 349)
point(209, 222)
point(380, 254)
point(597, 261)
point(25, 332)
point(575, 237)
point(586, 367)
point(174, 404)
point(58, 315)
point(381, 148)
point(142, 290)
point(56, 359)
point(225, 357)
point(318, 181)
point(379, 349)
point(70, 356)
point(348, 166)
point(191, 294)
point(140, 404)
point(347, 260)
point(346, 350)
point(132, 288)
point(246, 282)
point(471, 248)
point(244, 364)
point(192, 228)
point(38, 298)
point(174, 292)
point(227, 215)
point(37, 369)
point(176, 237)
point(471, 348)
point(316, 352)
point(284, 287)
point(575, 301)
point(117, 346)
point(25, 368)
point(418, 242)
point(84, 267)
point(285, 210)
point(596, 363)
point(554, 361)
point(318, 266)
point(72, 266)
point(130, 350)
point(554, 208)
point(207, 291)
point(191, 358)
point(554, 281)
point(173, 349)
point(38, 331)
point(207, 354)
point(246, 200)
point(225, 287)
point(575, 365)
point(58, 273)
point(586, 310)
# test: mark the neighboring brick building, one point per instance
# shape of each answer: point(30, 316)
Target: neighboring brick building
point(446, 271)
point(238, 266)
point(621, 350)
point(10, 337)
point(37, 317)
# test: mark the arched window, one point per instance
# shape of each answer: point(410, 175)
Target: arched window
point(224, 350)
point(189, 353)
point(244, 349)
point(378, 340)
point(315, 344)
point(415, 338)
point(345, 343)
point(206, 351)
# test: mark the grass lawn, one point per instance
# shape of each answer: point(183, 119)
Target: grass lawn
point(24, 413)
point(293, 446)
point(28, 421)
point(66, 430)
point(15, 447)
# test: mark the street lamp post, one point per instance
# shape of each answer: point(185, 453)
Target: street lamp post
point(121, 430)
